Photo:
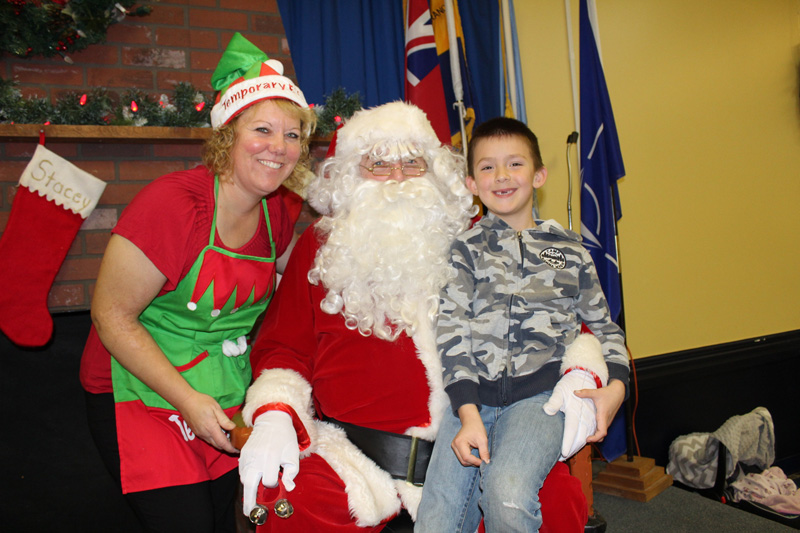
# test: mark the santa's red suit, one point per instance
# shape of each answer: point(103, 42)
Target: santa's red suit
point(308, 360)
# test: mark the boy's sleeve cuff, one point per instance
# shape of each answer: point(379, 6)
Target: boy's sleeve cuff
point(463, 392)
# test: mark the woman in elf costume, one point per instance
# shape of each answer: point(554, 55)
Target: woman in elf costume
point(189, 268)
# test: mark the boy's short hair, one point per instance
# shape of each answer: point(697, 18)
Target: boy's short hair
point(503, 127)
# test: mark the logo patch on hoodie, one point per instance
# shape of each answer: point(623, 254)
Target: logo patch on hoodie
point(553, 257)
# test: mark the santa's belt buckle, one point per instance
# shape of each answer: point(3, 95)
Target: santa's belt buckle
point(403, 457)
point(412, 462)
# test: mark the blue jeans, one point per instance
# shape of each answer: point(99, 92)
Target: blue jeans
point(524, 444)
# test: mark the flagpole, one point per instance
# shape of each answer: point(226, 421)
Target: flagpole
point(521, 111)
point(455, 72)
point(509, 48)
point(575, 110)
point(621, 317)
point(621, 323)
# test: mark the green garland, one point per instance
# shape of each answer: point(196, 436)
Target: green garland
point(46, 28)
point(188, 108)
point(338, 107)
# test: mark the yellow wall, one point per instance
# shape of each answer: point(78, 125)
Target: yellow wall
point(705, 95)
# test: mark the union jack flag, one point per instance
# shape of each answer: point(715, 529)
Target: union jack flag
point(423, 74)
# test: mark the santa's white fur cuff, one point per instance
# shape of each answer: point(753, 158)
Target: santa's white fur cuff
point(278, 385)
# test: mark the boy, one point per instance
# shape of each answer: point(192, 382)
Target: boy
point(509, 338)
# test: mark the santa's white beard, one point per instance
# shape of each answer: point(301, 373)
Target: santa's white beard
point(387, 256)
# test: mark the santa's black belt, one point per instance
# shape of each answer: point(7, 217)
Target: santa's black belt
point(402, 456)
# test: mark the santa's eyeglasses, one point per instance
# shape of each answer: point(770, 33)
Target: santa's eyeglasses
point(409, 170)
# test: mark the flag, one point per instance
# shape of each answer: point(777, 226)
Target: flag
point(423, 86)
point(483, 34)
point(454, 68)
point(515, 65)
point(601, 165)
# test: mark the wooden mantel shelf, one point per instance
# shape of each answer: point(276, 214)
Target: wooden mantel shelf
point(126, 134)
point(68, 133)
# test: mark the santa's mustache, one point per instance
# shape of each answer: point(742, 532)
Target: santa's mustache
point(421, 191)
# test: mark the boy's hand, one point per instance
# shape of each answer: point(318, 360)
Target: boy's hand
point(579, 413)
point(607, 401)
point(472, 435)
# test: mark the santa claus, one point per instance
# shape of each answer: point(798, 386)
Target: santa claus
point(348, 392)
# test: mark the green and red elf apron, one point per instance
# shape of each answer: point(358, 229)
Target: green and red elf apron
point(201, 327)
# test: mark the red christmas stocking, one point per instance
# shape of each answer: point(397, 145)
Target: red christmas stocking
point(53, 199)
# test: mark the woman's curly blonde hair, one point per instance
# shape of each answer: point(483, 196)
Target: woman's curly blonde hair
point(217, 149)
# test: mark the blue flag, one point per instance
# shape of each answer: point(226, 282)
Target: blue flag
point(601, 167)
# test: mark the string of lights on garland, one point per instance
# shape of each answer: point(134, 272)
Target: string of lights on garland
point(46, 28)
point(188, 108)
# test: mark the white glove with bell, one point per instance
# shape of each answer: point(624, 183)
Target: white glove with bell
point(271, 446)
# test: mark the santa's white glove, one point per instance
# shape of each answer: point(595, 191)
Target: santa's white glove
point(580, 415)
point(271, 446)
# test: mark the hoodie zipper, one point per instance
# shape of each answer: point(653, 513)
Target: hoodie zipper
point(506, 379)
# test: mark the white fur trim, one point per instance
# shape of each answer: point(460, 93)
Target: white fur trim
point(428, 354)
point(371, 493)
point(244, 94)
point(52, 176)
point(283, 386)
point(438, 403)
point(386, 124)
point(410, 495)
point(586, 351)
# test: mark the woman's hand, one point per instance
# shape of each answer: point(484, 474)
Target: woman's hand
point(207, 420)
point(472, 435)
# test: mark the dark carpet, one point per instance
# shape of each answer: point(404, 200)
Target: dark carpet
point(679, 511)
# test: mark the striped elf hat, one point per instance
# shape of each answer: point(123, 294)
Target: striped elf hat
point(245, 76)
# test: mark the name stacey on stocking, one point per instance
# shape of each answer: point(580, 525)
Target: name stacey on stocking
point(49, 183)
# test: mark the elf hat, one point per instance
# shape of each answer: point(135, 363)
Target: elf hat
point(245, 75)
point(391, 131)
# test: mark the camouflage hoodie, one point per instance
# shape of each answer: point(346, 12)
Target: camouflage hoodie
point(518, 300)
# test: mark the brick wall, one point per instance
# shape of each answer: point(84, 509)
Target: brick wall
point(178, 41)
